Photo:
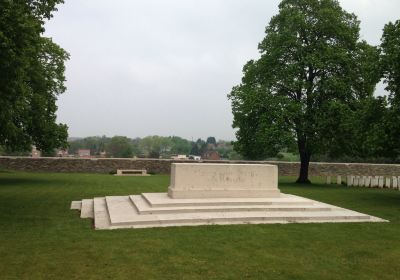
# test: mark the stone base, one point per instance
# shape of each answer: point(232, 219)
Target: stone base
point(160, 210)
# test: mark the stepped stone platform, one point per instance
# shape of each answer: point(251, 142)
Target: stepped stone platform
point(205, 194)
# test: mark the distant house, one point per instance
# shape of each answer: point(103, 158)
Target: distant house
point(62, 153)
point(194, 157)
point(179, 157)
point(84, 153)
point(35, 153)
point(211, 155)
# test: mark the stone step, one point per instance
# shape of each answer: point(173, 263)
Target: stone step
point(144, 208)
point(238, 222)
point(76, 205)
point(87, 208)
point(124, 214)
point(138, 221)
point(120, 208)
point(101, 216)
point(163, 200)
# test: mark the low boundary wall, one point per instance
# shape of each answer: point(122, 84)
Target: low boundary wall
point(107, 165)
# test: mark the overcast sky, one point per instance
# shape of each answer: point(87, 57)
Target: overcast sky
point(158, 67)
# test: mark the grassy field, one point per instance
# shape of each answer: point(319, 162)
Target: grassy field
point(40, 238)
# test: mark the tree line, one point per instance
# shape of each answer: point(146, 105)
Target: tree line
point(151, 146)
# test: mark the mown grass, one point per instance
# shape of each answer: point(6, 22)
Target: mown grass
point(40, 238)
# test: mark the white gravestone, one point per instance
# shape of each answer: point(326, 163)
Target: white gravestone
point(362, 181)
point(368, 181)
point(387, 182)
point(328, 180)
point(339, 180)
point(395, 182)
point(356, 181)
point(349, 180)
point(381, 182)
point(213, 180)
point(374, 181)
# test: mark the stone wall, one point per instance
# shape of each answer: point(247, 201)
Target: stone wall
point(106, 165)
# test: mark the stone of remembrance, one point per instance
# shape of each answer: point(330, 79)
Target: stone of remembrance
point(206, 194)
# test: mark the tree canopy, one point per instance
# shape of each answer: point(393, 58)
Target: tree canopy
point(120, 147)
point(390, 61)
point(31, 77)
point(312, 72)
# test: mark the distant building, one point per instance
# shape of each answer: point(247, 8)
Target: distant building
point(62, 153)
point(84, 153)
point(35, 153)
point(211, 155)
point(194, 157)
point(179, 157)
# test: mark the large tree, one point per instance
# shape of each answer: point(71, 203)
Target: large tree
point(313, 70)
point(31, 77)
point(390, 49)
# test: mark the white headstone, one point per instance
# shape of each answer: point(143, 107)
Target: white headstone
point(328, 180)
point(376, 181)
point(387, 182)
point(349, 180)
point(381, 182)
point(368, 181)
point(356, 181)
point(362, 181)
point(339, 180)
point(395, 182)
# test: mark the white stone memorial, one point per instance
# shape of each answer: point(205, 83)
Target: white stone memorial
point(339, 180)
point(223, 180)
point(375, 181)
point(368, 181)
point(328, 180)
point(395, 182)
point(362, 181)
point(208, 194)
point(381, 182)
point(356, 181)
point(387, 182)
point(350, 180)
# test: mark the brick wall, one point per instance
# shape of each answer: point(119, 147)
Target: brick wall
point(106, 165)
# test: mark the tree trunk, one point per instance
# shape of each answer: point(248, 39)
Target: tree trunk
point(304, 162)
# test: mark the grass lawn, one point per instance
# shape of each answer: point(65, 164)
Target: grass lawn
point(40, 238)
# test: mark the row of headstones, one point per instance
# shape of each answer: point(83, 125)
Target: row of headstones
point(392, 182)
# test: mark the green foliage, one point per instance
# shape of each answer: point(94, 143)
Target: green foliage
point(150, 146)
point(390, 48)
point(180, 146)
point(119, 147)
point(154, 146)
point(211, 140)
point(95, 144)
point(199, 147)
point(31, 76)
point(313, 70)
